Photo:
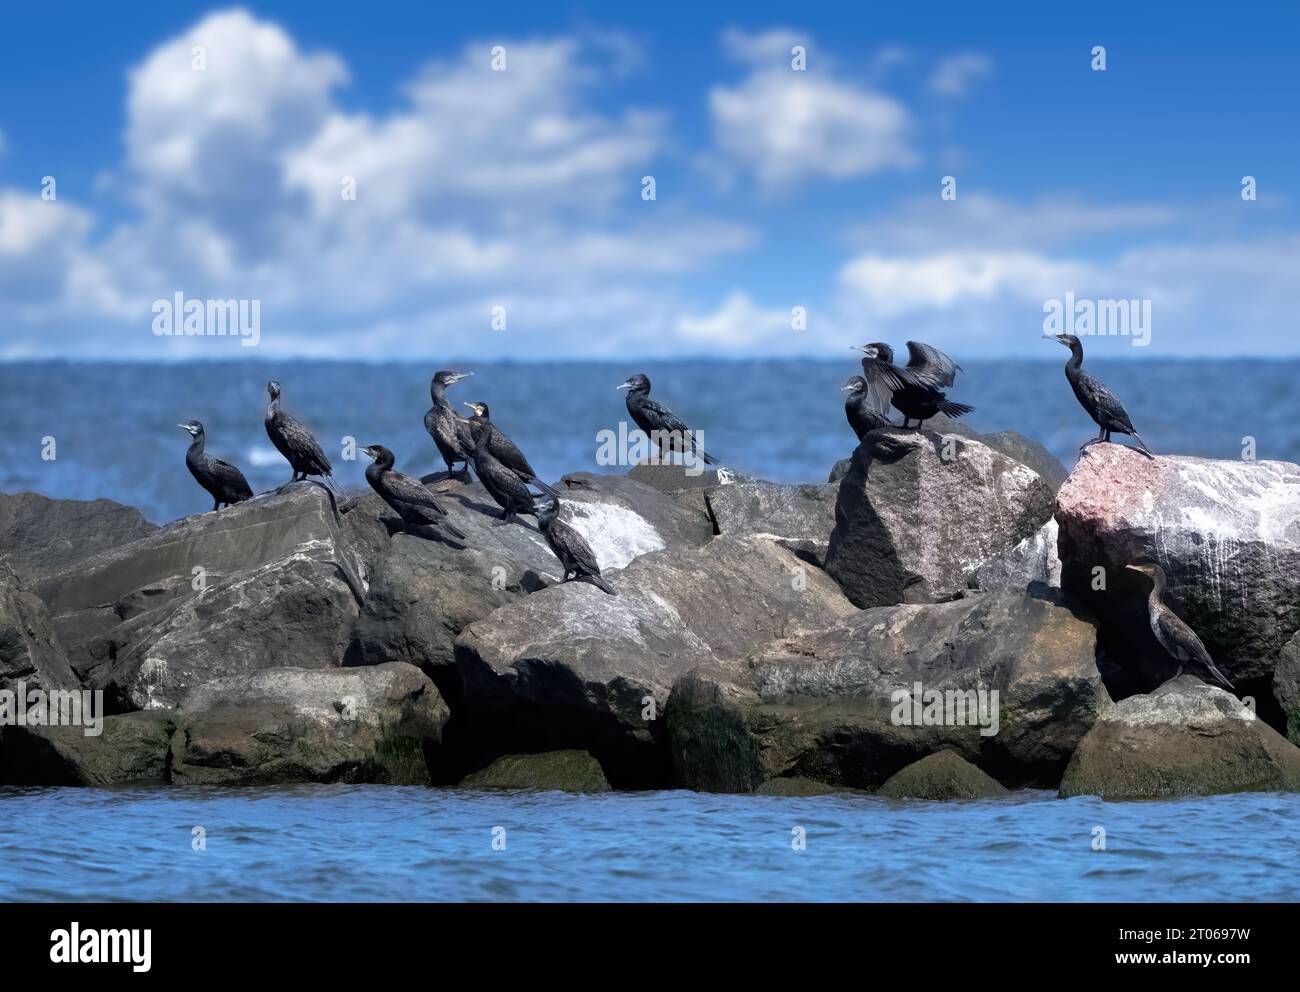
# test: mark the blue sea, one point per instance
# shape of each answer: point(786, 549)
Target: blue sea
point(376, 843)
point(114, 432)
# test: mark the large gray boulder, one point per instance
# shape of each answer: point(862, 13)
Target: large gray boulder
point(30, 650)
point(919, 513)
point(1185, 738)
point(423, 593)
point(1015, 446)
point(1226, 533)
point(838, 706)
point(571, 666)
point(262, 584)
point(374, 724)
point(40, 535)
point(800, 517)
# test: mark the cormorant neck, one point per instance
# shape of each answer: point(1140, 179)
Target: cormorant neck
point(481, 437)
point(1076, 357)
point(196, 445)
point(438, 393)
point(1158, 587)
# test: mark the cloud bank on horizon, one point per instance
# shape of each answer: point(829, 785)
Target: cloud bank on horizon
point(501, 208)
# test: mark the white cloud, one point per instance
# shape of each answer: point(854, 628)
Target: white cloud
point(482, 187)
point(785, 125)
point(956, 74)
point(739, 323)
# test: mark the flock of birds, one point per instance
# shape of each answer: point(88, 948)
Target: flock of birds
point(916, 390)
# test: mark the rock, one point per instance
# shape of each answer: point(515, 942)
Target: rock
point(944, 775)
point(1015, 446)
point(562, 771)
point(1286, 687)
point(573, 667)
point(798, 517)
point(424, 593)
point(1032, 560)
point(827, 706)
point(919, 513)
point(275, 586)
point(1186, 738)
point(623, 518)
point(40, 535)
point(30, 650)
point(673, 479)
point(797, 787)
point(131, 749)
point(375, 724)
point(1227, 535)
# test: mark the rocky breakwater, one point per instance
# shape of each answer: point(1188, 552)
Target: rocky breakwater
point(901, 626)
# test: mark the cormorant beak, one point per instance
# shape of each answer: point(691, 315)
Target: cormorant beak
point(461, 375)
point(1061, 339)
point(626, 385)
point(185, 427)
point(846, 389)
point(1140, 569)
point(866, 349)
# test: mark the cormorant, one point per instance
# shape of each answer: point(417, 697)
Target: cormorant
point(659, 423)
point(449, 430)
point(915, 391)
point(1175, 636)
point(501, 482)
point(298, 445)
point(570, 547)
point(224, 483)
point(414, 503)
point(1100, 402)
point(858, 409)
point(508, 454)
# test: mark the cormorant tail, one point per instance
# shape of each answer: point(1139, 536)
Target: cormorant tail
point(709, 459)
point(1221, 677)
point(954, 410)
point(544, 487)
point(451, 529)
point(1150, 454)
point(600, 583)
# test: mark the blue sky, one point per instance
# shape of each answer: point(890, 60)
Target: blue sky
point(776, 189)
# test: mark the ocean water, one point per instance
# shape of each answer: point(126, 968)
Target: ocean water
point(375, 843)
point(115, 432)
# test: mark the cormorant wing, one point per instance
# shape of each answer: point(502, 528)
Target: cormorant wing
point(883, 380)
point(1189, 648)
point(931, 365)
point(663, 419)
point(229, 474)
point(1107, 408)
point(412, 491)
point(508, 454)
point(575, 545)
point(302, 442)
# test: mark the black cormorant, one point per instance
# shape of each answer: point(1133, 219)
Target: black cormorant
point(861, 415)
point(502, 483)
point(449, 430)
point(506, 452)
point(224, 483)
point(1100, 402)
point(293, 440)
point(414, 503)
point(1175, 636)
point(570, 547)
point(659, 423)
point(917, 391)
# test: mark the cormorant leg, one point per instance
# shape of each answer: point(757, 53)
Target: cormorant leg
point(1108, 440)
